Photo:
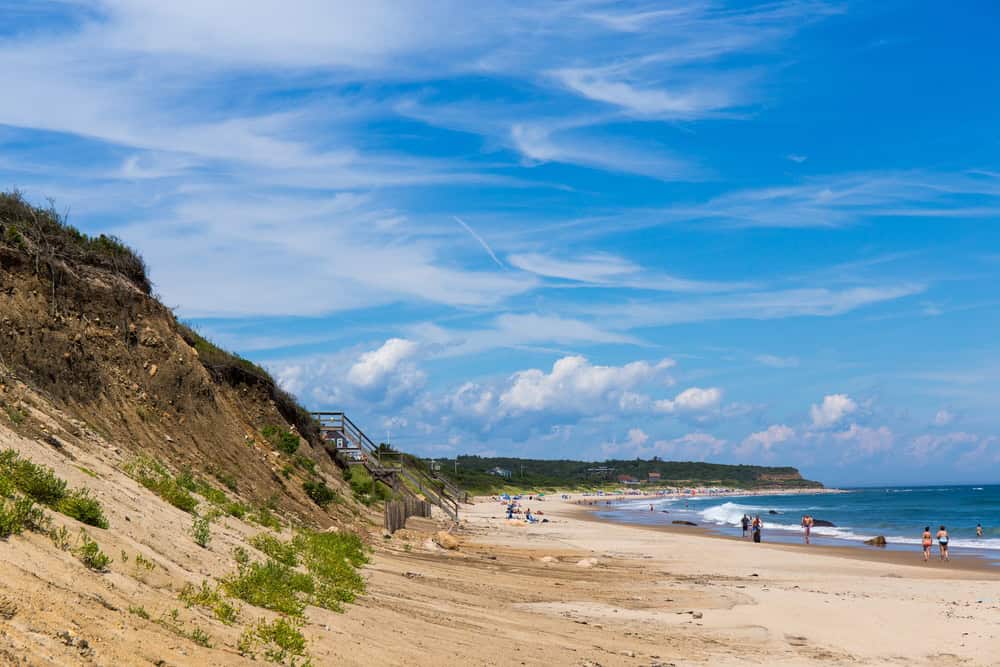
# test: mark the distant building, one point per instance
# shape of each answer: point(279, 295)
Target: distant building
point(500, 472)
point(653, 477)
point(627, 479)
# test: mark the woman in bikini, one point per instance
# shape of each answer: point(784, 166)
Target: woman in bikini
point(926, 540)
point(942, 537)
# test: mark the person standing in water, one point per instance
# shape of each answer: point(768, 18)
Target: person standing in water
point(927, 541)
point(745, 523)
point(807, 522)
point(942, 538)
point(979, 530)
point(757, 525)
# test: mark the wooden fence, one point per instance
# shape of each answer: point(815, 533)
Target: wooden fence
point(397, 511)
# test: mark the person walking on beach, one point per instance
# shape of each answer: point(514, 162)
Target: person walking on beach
point(926, 541)
point(942, 538)
point(745, 523)
point(807, 524)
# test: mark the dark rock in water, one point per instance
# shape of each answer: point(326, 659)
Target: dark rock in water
point(684, 523)
point(821, 522)
point(665, 511)
point(773, 512)
point(876, 541)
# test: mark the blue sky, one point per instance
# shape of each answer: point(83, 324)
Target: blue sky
point(737, 232)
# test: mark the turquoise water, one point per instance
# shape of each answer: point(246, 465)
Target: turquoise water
point(898, 513)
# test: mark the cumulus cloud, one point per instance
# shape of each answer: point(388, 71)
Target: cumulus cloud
point(385, 376)
point(375, 366)
point(694, 399)
point(576, 385)
point(833, 409)
point(764, 441)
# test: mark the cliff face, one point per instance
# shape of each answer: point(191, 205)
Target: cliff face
point(87, 352)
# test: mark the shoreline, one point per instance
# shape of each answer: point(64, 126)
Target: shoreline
point(970, 562)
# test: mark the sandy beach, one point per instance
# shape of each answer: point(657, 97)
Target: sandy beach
point(576, 591)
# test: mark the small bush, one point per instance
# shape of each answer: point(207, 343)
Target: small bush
point(320, 493)
point(235, 509)
point(60, 538)
point(154, 476)
point(16, 415)
point(210, 598)
point(18, 515)
point(83, 507)
point(304, 462)
point(139, 611)
point(200, 637)
point(333, 558)
point(201, 532)
point(271, 585)
point(37, 482)
point(282, 552)
point(90, 554)
point(280, 640)
point(264, 517)
point(281, 439)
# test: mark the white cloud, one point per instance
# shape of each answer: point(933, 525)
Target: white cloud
point(833, 408)
point(928, 446)
point(694, 399)
point(943, 418)
point(576, 385)
point(775, 361)
point(375, 366)
point(867, 441)
point(764, 441)
point(798, 159)
point(637, 437)
point(540, 143)
point(777, 304)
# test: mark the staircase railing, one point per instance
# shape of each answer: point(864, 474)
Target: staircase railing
point(378, 460)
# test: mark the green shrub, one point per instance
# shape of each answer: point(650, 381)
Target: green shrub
point(264, 517)
point(83, 507)
point(60, 538)
point(271, 585)
point(201, 532)
point(333, 558)
point(280, 640)
point(154, 476)
point(304, 462)
point(235, 509)
point(90, 554)
point(281, 439)
point(20, 514)
point(139, 611)
point(16, 415)
point(210, 598)
point(320, 493)
point(282, 552)
point(37, 482)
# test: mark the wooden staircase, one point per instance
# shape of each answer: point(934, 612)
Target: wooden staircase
point(400, 472)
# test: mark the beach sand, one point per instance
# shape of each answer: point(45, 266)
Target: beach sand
point(519, 594)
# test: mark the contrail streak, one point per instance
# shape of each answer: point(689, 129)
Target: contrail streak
point(479, 238)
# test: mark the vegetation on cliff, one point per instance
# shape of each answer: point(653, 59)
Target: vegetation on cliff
point(473, 473)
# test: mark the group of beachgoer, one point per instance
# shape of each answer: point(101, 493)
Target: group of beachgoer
point(753, 525)
point(942, 540)
point(514, 512)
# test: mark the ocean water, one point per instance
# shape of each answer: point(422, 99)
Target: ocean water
point(898, 513)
